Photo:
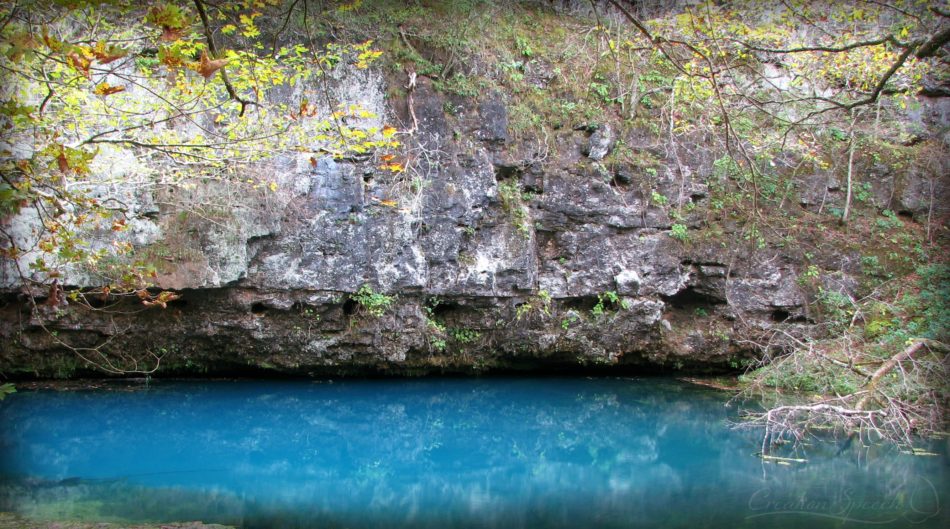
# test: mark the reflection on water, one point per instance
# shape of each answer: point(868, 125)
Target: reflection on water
point(553, 452)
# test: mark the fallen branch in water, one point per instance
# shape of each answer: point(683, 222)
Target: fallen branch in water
point(899, 401)
point(888, 366)
point(784, 419)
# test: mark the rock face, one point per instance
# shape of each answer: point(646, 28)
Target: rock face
point(486, 254)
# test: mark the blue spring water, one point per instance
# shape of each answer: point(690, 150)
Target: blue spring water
point(487, 452)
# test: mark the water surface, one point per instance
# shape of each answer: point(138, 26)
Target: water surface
point(495, 452)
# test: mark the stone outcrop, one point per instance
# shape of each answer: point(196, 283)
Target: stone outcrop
point(495, 252)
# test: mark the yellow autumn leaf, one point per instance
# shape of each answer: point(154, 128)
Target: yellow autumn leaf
point(105, 89)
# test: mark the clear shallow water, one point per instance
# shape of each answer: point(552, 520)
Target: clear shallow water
point(547, 452)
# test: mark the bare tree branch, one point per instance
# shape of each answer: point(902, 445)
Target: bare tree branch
point(827, 49)
point(934, 43)
point(209, 37)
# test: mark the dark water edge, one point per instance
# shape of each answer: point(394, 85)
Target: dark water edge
point(494, 452)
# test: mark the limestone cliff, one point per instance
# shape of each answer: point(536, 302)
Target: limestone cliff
point(496, 250)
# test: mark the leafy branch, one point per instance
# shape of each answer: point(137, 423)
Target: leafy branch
point(217, 65)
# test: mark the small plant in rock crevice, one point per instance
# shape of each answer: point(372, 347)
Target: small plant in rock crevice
point(679, 232)
point(465, 336)
point(606, 300)
point(541, 304)
point(375, 303)
point(511, 202)
point(436, 332)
